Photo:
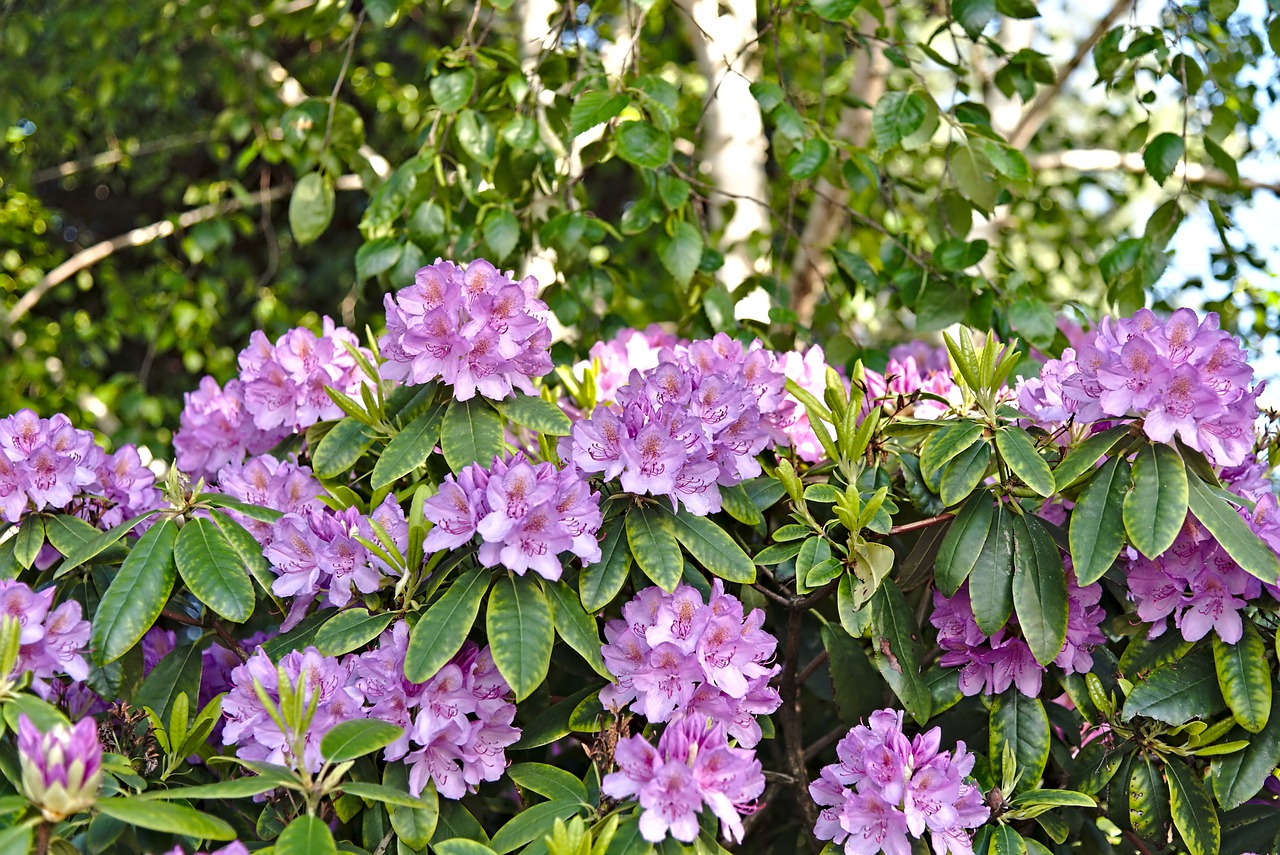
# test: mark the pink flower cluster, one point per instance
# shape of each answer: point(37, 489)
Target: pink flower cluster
point(912, 369)
point(674, 655)
point(990, 664)
point(457, 725)
point(692, 767)
point(695, 421)
point(1183, 376)
point(629, 350)
point(476, 329)
point(526, 515)
point(281, 485)
point(316, 552)
point(280, 391)
point(46, 463)
point(51, 642)
point(886, 789)
point(809, 371)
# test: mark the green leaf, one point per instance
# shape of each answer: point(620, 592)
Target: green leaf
point(310, 207)
point(897, 115)
point(991, 582)
point(714, 549)
point(306, 835)
point(852, 675)
point(177, 673)
point(643, 145)
point(651, 534)
point(1232, 532)
point(470, 433)
point(386, 795)
point(973, 15)
point(377, 256)
point(1238, 777)
point(235, 788)
point(29, 540)
point(553, 722)
point(681, 252)
point(1007, 162)
point(1021, 723)
point(536, 414)
point(963, 474)
point(1178, 691)
point(594, 108)
point(1193, 813)
point(1244, 677)
point(440, 632)
point(501, 232)
point(1034, 320)
point(1162, 154)
point(548, 781)
point(212, 570)
point(737, 504)
point(1006, 841)
point(95, 546)
point(520, 631)
point(674, 191)
point(1018, 450)
point(896, 648)
point(832, 10)
point(452, 90)
point(350, 629)
point(1039, 589)
point(341, 447)
point(1220, 157)
point(461, 846)
point(804, 162)
point(475, 136)
point(946, 443)
point(1156, 506)
point(1097, 522)
point(358, 737)
point(415, 826)
point(531, 824)
point(1148, 800)
point(576, 627)
point(162, 816)
point(599, 583)
point(136, 595)
point(1082, 458)
point(963, 543)
point(408, 449)
point(1020, 9)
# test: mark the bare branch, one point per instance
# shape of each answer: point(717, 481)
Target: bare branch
point(1105, 160)
point(1036, 114)
point(110, 158)
point(148, 234)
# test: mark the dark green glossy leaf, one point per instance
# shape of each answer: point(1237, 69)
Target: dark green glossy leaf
point(350, 629)
point(575, 626)
point(358, 737)
point(213, 571)
point(1238, 777)
point(1178, 691)
point(1162, 154)
point(643, 145)
point(963, 543)
point(521, 633)
point(470, 433)
point(896, 116)
point(1148, 800)
point(1156, 506)
point(137, 594)
point(341, 448)
point(594, 108)
point(895, 646)
point(1232, 532)
point(1021, 723)
point(1082, 458)
point(973, 15)
point(1097, 526)
point(713, 548)
point(408, 449)
point(1039, 589)
point(1018, 451)
point(652, 537)
point(440, 632)
point(177, 673)
point(964, 473)
point(531, 824)
point(681, 251)
point(599, 583)
point(1245, 677)
point(306, 835)
point(991, 582)
point(1193, 812)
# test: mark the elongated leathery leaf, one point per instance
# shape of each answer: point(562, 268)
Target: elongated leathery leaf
point(991, 582)
point(137, 594)
point(652, 538)
point(440, 633)
point(1244, 677)
point(521, 633)
point(213, 571)
point(1039, 589)
point(1097, 526)
point(1156, 506)
point(963, 543)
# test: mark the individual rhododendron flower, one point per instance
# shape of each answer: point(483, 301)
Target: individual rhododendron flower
point(457, 724)
point(1196, 583)
point(128, 487)
point(1183, 377)
point(323, 682)
point(474, 328)
point(281, 485)
point(674, 654)
point(319, 552)
point(525, 513)
point(692, 767)
point(61, 767)
point(886, 789)
point(696, 420)
point(990, 664)
point(53, 640)
point(215, 429)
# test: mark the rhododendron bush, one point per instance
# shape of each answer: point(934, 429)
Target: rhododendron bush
point(427, 590)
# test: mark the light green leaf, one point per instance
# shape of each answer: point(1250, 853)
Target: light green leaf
point(415, 826)
point(973, 15)
point(378, 255)
point(549, 781)
point(594, 108)
point(306, 835)
point(531, 824)
point(1244, 677)
point(536, 414)
point(643, 145)
point(408, 449)
point(1232, 532)
point(501, 233)
point(1193, 812)
point(350, 629)
point(833, 10)
point(358, 737)
point(341, 447)
point(311, 207)
point(681, 252)
point(897, 115)
point(212, 570)
point(452, 90)
point(1018, 450)
point(162, 816)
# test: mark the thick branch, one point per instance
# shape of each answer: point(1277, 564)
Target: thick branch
point(1036, 114)
point(1105, 160)
point(148, 234)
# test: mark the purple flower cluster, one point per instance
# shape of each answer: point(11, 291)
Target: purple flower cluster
point(674, 655)
point(47, 463)
point(51, 642)
point(1184, 377)
point(886, 789)
point(809, 371)
point(457, 725)
point(61, 768)
point(990, 664)
point(476, 329)
point(316, 552)
point(281, 485)
point(526, 515)
point(692, 767)
point(696, 420)
point(280, 391)
point(912, 369)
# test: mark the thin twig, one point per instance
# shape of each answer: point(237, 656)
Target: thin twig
point(342, 75)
